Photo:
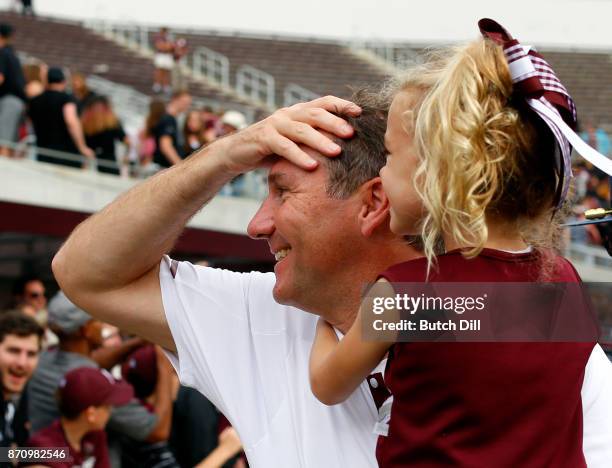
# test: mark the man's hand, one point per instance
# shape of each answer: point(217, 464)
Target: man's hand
point(282, 132)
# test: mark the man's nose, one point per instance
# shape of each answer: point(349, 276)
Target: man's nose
point(22, 360)
point(261, 225)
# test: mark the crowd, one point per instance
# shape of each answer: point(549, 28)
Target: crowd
point(69, 380)
point(77, 127)
point(591, 188)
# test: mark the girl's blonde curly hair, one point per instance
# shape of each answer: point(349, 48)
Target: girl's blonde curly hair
point(482, 154)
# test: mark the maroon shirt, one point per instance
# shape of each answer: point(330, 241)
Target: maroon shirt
point(484, 404)
point(93, 446)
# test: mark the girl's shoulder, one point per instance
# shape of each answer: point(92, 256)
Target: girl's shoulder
point(489, 266)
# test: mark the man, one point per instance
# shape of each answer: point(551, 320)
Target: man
point(85, 399)
point(326, 221)
point(29, 294)
point(12, 90)
point(79, 335)
point(166, 132)
point(20, 342)
point(56, 122)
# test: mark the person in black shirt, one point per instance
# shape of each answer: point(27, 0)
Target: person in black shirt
point(20, 342)
point(56, 123)
point(102, 129)
point(167, 149)
point(12, 95)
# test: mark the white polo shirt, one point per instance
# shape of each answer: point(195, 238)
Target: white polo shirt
point(249, 356)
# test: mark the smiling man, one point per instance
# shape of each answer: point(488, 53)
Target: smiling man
point(240, 338)
point(20, 341)
point(244, 340)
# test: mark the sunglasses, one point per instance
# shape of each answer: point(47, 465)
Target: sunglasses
point(35, 295)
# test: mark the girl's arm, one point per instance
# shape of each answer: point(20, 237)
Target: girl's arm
point(337, 368)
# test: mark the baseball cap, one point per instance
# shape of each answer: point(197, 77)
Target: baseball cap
point(234, 119)
point(88, 386)
point(64, 316)
point(140, 370)
point(55, 75)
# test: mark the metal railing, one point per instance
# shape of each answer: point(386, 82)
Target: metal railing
point(256, 85)
point(397, 56)
point(589, 255)
point(27, 149)
point(212, 65)
point(295, 93)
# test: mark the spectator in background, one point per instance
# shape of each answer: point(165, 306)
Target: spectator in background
point(12, 94)
point(211, 124)
point(163, 61)
point(199, 436)
point(146, 138)
point(85, 398)
point(167, 150)
point(56, 122)
point(152, 377)
point(597, 138)
point(27, 8)
point(29, 297)
point(35, 79)
point(232, 121)
point(80, 340)
point(81, 92)
point(20, 343)
point(179, 51)
point(193, 132)
point(102, 129)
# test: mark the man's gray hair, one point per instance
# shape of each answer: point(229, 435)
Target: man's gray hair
point(364, 154)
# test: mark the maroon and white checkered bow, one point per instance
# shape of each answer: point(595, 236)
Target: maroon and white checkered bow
point(536, 81)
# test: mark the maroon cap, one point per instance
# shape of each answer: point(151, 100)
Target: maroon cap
point(140, 370)
point(87, 386)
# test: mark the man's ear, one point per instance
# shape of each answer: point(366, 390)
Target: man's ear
point(374, 211)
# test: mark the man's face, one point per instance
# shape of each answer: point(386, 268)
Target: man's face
point(184, 103)
point(311, 235)
point(34, 294)
point(18, 360)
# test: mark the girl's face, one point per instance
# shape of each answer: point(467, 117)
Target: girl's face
point(398, 173)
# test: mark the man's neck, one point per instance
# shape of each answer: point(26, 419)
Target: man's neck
point(74, 431)
point(340, 310)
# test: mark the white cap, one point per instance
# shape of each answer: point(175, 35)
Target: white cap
point(235, 119)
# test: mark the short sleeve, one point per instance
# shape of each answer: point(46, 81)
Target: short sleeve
point(167, 126)
point(207, 310)
point(597, 409)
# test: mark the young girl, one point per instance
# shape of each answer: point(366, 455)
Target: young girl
point(472, 162)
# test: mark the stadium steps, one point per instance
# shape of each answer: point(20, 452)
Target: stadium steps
point(322, 67)
point(68, 44)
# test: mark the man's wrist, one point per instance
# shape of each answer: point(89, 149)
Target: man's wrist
point(216, 156)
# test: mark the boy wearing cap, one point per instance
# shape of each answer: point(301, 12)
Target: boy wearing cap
point(79, 335)
point(85, 397)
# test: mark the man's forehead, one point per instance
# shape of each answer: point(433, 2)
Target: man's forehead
point(284, 170)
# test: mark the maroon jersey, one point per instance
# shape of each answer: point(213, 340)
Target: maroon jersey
point(484, 404)
point(94, 448)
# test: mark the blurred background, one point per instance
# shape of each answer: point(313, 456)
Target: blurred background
point(98, 95)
